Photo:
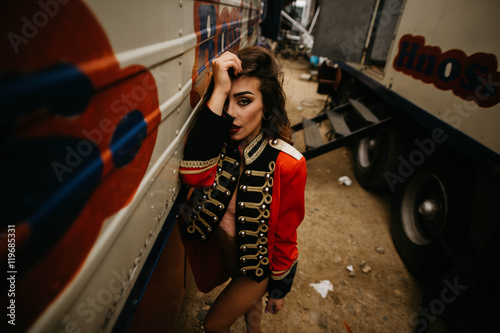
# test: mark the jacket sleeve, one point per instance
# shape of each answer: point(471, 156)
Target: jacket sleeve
point(291, 213)
point(204, 144)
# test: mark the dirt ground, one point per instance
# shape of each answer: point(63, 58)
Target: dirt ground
point(343, 226)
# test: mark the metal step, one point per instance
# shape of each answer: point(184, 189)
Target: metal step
point(344, 135)
point(338, 123)
point(312, 136)
point(364, 111)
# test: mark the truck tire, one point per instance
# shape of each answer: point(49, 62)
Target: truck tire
point(434, 197)
point(377, 153)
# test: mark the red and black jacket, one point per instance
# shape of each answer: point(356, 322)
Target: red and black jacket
point(269, 197)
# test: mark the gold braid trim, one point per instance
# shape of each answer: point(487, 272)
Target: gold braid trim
point(257, 173)
point(281, 277)
point(258, 271)
point(228, 159)
point(262, 228)
point(263, 210)
point(199, 164)
point(193, 172)
point(264, 214)
point(193, 227)
point(267, 198)
point(197, 221)
point(226, 174)
point(248, 159)
point(211, 200)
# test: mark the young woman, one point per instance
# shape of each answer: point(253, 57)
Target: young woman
point(249, 197)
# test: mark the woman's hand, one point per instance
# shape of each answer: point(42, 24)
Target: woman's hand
point(274, 305)
point(222, 80)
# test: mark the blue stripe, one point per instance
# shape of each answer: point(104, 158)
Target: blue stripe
point(128, 137)
point(48, 182)
point(75, 189)
point(62, 89)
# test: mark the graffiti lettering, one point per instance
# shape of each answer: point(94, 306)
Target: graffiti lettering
point(208, 29)
point(228, 36)
point(473, 77)
point(218, 29)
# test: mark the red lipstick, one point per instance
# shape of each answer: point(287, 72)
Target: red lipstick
point(234, 129)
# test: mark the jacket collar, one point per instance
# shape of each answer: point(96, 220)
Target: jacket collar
point(255, 148)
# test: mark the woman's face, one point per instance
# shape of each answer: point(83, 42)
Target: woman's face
point(245, 105)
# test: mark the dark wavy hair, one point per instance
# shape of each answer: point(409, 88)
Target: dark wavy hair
point(259, 62)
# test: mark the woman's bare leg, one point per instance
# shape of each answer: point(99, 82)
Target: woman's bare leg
point(242, 296)
point(253, 317)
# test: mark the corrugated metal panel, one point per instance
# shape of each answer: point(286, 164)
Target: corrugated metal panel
point(98, 97)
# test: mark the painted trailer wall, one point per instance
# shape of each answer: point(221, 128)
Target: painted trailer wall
point(96, 99)
point(453, 73)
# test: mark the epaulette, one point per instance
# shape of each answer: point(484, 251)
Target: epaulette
point(286, 148)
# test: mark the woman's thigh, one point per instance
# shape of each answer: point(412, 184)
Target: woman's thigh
point(235, 300)
point(228, 244)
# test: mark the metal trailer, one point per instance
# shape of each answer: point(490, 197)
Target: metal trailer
point(96, 98)
point(414, 90)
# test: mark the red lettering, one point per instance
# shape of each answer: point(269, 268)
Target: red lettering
point(473, 77)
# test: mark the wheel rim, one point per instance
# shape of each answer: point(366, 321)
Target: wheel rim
point(366, 151)
point(424, 205)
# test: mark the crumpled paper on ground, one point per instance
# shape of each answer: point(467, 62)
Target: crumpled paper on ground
point(345, 180)
point(322, 287)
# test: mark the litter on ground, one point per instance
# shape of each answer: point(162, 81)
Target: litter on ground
point(322, 287)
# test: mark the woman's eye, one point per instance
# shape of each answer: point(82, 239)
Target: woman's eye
point(244, 102)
